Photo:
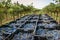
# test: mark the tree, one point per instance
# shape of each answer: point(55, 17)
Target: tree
point(1, 16)
point(14, 10)
point(57, 1)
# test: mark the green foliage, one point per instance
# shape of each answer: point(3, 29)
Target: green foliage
point(16, 9)
point(52, 9)
point(57, 1)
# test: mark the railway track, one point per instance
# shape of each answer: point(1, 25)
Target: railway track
point(31, 27)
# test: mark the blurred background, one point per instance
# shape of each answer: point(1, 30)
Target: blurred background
point(13, 9)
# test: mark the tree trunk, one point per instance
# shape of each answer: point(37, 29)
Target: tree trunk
point(13, 17)
point(20, 15)
point(6, 17)
point(0, 22)
point(59, 21)
point(54, 15)
point(17, 16)
point(57, 16)
point(51, 13)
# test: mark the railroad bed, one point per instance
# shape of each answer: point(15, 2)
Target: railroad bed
point(31, 27)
